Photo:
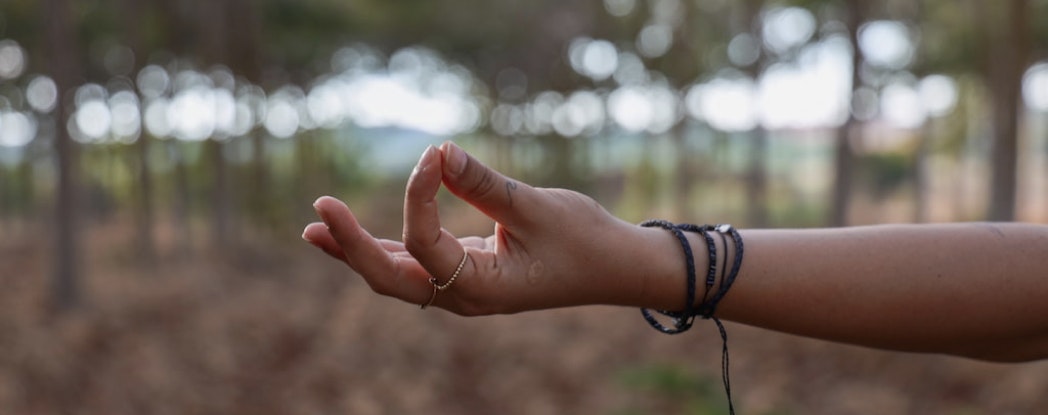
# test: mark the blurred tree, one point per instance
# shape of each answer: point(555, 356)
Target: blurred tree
point(212, 19)
point(850, 133)
point(998, 43)
point(63, 65)
point(131, 17)
point(698, 51)
point(529, 37)
point(757, 176)
point(1007, 37)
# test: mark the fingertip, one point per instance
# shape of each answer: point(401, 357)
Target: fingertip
point(325, 201)
point(335, 215)
point(425, 159)
point(454, 158)
point(425, 179)
point(312, 231)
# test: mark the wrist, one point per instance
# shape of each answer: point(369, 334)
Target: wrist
point(661, 272)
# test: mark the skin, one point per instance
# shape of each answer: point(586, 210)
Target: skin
point(978, 290)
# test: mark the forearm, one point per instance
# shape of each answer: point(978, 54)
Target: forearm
point(979, 290)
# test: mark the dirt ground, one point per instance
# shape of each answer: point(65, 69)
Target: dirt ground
point(275, 328)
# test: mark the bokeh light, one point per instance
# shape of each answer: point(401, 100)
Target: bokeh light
point(865, 105)
point(651, 108)
point(886, 43)
point(507, 120)
point(666, 11)
point(282, 117)
point(901, 105)
point(619, 8)
point(596, 59)
point(786, 28)
point(250, 109)
point(191, 113)
point(16, 129)
point(1035, 87)
point(153, 81)
point(126, 122)
point(744, 50)
point(155, 118)
point(630, 70)
point(42, 94)
point(93, 120)
point(813, 92)
point(655, 40)
point(938, 94)
point(539, 113)
point(12, 59)
point(581, 114)
point(728, 102)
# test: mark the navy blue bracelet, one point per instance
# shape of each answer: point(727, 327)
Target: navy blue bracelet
point(683, 320)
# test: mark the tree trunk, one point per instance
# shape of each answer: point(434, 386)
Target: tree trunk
point(212, 20)
point(220, 194)
point(921, 175)
point(245, 54)
point(685, 179)
point(145, 222)
point(180, 204)
point(63, 66)
point(849, 133)
point(1008, 52)
point(757, 175)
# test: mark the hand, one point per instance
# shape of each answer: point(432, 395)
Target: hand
point(550, 248)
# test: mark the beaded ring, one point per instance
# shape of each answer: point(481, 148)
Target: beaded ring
point(437, 286)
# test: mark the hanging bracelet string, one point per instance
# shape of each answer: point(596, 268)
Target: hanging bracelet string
point(683, 320)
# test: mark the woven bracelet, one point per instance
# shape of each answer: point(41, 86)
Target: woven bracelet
point(683, 320)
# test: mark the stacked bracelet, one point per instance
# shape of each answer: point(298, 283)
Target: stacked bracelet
point(683, 320)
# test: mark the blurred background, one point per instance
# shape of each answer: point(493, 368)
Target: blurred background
point(158, 160)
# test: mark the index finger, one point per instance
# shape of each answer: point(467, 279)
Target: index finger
point(435, 248)
point(384, 272)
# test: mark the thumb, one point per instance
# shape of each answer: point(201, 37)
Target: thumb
point(503, 199)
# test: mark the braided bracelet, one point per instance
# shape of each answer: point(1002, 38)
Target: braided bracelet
point(683, 319)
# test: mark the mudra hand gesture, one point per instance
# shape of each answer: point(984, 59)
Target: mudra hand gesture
point(550, 248)
point(973, 289)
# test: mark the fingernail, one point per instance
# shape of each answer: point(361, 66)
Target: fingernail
point(456, 159)
point(304, 237)
point(422, 159)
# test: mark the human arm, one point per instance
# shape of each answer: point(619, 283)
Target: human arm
point(976, 289)
point(969, 289)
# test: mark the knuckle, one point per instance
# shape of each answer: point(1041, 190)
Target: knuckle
point(411, 243)
point(415, 243)
point(485, 183)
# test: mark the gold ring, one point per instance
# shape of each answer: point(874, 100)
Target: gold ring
point(441, 287)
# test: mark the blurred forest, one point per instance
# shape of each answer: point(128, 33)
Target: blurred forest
point(158, 159)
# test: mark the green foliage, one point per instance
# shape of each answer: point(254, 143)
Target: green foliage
point(886, 172)
point(669, 389)
point(667, 380)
